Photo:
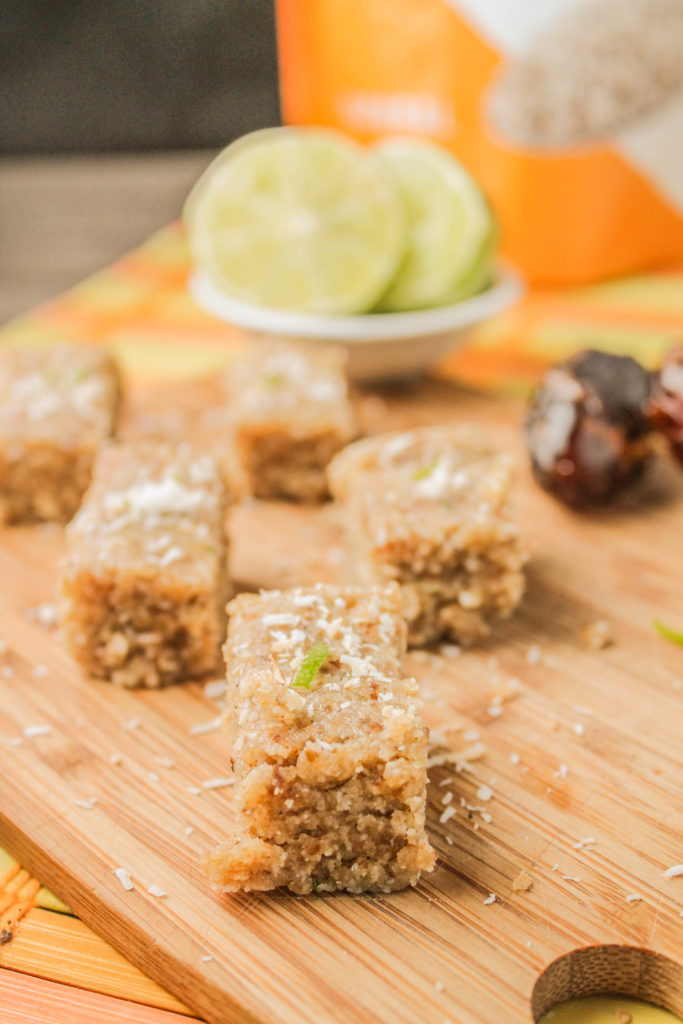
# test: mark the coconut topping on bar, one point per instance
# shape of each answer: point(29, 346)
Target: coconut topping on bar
point(43, 385)
point(337, 657)
point(159, 499)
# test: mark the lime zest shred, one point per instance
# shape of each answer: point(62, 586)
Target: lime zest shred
point(274, 380)
point(422, 472)
point(674, 635)
point(311, 665)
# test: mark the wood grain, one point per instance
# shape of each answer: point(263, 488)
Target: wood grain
point(26, 1000)
point(62, 948)
point(612, 718)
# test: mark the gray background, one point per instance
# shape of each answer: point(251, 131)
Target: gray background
point(102, 75)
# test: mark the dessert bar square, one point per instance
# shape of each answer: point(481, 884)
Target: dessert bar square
point(289, 413)
point(58, 403)
point(329, 750)
point(144, 583)
point(430, 509)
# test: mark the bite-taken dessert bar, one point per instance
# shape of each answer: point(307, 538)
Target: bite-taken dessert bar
point(144, 582)
point(430, 509)
point(289, 413)
point(58, 403)
point(329, 750)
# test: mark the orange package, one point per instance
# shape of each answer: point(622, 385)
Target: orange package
point(568, 112)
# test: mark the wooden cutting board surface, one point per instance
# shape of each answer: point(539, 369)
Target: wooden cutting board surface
point(589, 745)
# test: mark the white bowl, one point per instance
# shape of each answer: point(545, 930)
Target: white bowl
point(379, 345)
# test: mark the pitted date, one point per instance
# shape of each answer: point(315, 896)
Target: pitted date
point(666, 404)
point(587, 428)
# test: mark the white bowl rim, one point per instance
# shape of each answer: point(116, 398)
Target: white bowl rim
point(364, 327)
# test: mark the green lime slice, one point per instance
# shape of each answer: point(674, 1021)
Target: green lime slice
point(297, 219)
point(449, 224)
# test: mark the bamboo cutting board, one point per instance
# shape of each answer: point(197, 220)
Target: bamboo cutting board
point(565, 745)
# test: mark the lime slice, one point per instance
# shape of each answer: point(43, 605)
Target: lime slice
point(482, 272)
point(448, 223)
point(297, 219)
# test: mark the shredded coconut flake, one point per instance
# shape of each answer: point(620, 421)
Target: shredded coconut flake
point(281, 619)
point(155, 890)
point(633, 897)
point(203, 727)
point(215, 689)
point(484, 793)
point(124, 878)
point(673, 872)
point(447, 814)
point(217, 783)
point(37, 730)
point(579, 728)
point(584, 844)
point(45, 614)
point(491, 898)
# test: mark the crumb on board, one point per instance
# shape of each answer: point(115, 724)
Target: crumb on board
point(522, 883)
point(597, 635)
point(45, 614)
point(460, 758)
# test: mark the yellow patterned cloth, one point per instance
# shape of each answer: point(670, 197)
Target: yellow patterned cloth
point(140, 307)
